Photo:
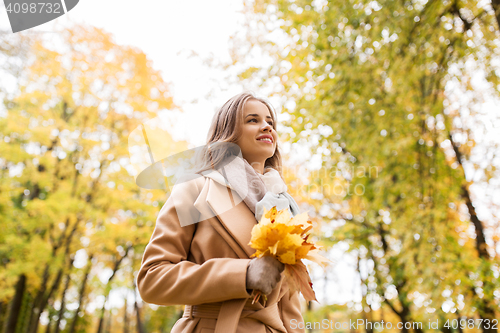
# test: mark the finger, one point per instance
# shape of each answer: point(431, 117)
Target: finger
point(281, 267)
point(267, 259)
point(277, 263)
point(273, 284)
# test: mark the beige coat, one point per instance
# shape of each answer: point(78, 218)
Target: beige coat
point(203, 265)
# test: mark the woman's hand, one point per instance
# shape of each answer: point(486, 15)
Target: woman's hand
point(263, 274)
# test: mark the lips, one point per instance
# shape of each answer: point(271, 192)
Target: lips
point(265, 138)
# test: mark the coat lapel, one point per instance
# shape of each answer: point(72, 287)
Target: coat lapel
point(234, 215)
point(234, 220)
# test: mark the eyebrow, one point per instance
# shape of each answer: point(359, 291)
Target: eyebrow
point(256, 115)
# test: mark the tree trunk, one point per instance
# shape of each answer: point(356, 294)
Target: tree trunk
point(115, 269)
point(2, 314)
point(137, 309)
point(81, 295)
point(15, 308)
point(51, 312)
point(496, 7)
point(42, 298)
point(485, 306)
point(45, 298)
point(486, 311)
point(481, 246)
point(37, 302)
point(125, 318)
point(309, 309)
point(101, 317)
point(61, 310)
point(48, 328)
point(36, 309)
point(109, 322)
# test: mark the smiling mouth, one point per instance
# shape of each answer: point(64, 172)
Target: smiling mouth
point(266, 140)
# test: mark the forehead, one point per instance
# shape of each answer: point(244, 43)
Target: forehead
point(255, 106)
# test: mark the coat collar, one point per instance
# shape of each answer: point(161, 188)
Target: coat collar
point(216, 177)
point(234, 215)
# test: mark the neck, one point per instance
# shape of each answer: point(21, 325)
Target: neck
point(257, 165)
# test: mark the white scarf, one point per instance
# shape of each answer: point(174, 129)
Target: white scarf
point(257, 190)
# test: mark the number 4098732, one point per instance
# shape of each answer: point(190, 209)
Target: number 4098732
point(471, 323)
point(32, 7)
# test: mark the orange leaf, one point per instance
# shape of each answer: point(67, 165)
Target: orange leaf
point(298, 280)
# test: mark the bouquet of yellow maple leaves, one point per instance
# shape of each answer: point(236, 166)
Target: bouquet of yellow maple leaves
point(287, 240)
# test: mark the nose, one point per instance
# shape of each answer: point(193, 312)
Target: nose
point(267, 127)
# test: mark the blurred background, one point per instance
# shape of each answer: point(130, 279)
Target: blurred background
point(389, 121)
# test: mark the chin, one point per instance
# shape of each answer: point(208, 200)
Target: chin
point(270, 154)
point(265, 154)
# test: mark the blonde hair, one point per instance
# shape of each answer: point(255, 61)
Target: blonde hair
point(225, 128)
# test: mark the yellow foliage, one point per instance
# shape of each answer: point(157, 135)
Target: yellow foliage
point(284, 238)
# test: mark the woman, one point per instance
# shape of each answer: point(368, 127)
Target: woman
point(199, 255)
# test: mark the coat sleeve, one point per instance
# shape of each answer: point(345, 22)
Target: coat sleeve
point(166, 277)
point(291, 314)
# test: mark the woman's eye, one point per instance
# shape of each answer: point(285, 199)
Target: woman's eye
point(255, 120)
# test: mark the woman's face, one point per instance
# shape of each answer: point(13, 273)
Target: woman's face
point(257, 140)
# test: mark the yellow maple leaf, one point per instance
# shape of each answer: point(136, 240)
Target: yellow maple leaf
point(285, 238)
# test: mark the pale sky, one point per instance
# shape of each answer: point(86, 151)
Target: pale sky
point(167, 31)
